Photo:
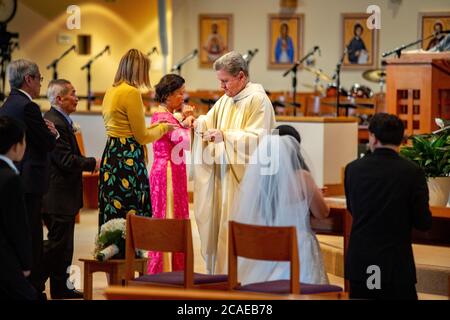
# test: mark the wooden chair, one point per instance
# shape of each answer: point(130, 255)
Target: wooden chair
point(90, 180)
point(268, 243)
point(166, 235)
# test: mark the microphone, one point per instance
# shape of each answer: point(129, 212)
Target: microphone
point(184, 60)
point(73, 47)
point(107, 48)
point(341, 61)
point(249, 55)
point(318, 50)
point(313, 50)
point(154, 49)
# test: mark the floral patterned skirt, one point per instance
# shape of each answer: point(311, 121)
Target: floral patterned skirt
point(123, 180)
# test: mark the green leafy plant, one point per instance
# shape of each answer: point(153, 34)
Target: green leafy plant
point(431, 152)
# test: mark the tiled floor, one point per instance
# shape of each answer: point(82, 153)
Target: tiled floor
point(86, 230)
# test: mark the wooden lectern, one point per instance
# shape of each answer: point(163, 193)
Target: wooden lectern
point(418, 89)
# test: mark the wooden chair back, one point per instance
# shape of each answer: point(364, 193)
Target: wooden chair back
point(263, 243)
point(167, 235)
point(160, 293)
point(80, 142)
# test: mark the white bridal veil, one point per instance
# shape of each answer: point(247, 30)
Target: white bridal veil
point(277, 191)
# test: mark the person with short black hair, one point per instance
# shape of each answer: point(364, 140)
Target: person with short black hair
point(15, 235)
point(387, 196)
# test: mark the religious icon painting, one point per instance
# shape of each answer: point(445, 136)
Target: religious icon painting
point(285, 40)
point(359, 42)
point(215, 37)
point(431, 25)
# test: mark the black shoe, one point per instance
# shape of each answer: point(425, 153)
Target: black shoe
point(68, 294)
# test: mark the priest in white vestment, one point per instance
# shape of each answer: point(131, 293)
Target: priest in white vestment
point(224, 140)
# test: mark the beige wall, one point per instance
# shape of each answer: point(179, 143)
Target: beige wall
point(399, 25)
point(125, 24)
point(120, 24)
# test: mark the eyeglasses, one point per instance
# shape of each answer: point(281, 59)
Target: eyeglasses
point(41, 78)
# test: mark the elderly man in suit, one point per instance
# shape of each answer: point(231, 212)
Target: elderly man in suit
point(25, 82)
point(15, 236)
point(387, 197)
point(65, 195)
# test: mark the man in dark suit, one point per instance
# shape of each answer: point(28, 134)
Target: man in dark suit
point(387, 197)
point(65, 195)
point(15, 235)
point(25, 81)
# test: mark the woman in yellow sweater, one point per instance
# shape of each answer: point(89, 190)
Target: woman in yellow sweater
point(123, 182)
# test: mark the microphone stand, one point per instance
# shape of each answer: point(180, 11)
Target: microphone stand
point(87, 66)
point(338, 84)
point(249, 56)
point(177, 66)
point(54, 64)
point(5, 59)
point(398, 50)
point(152, 51)
point(294, 69)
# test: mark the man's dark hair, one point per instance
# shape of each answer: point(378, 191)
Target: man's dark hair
point(387, 128)
point(11, 132)
point(167, 85)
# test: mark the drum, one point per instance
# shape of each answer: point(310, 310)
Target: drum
point(332, 91)
point(360, 91)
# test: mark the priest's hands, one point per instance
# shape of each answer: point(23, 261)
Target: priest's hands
point(213, 135)
point(187, 111)
point(189, 122)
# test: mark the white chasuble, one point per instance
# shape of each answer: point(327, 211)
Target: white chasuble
point(219, 167)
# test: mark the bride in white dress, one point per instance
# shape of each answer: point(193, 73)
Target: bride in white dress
point(277, 191)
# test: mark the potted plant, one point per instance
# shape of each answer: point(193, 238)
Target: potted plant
point(432, 153)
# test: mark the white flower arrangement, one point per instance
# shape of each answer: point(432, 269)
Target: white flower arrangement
point(110, 241)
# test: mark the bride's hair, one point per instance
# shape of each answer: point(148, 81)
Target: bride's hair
point(287, 130)
point(280, 197)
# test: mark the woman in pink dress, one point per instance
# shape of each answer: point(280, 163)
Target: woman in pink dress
point(168, 182)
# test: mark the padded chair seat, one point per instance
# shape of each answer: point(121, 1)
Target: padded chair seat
point(177, 278)
point(283, 287)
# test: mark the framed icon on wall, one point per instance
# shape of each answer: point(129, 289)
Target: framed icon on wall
point(360, 41)
point(285, 40)
point(430, 26)
point(215, 37)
